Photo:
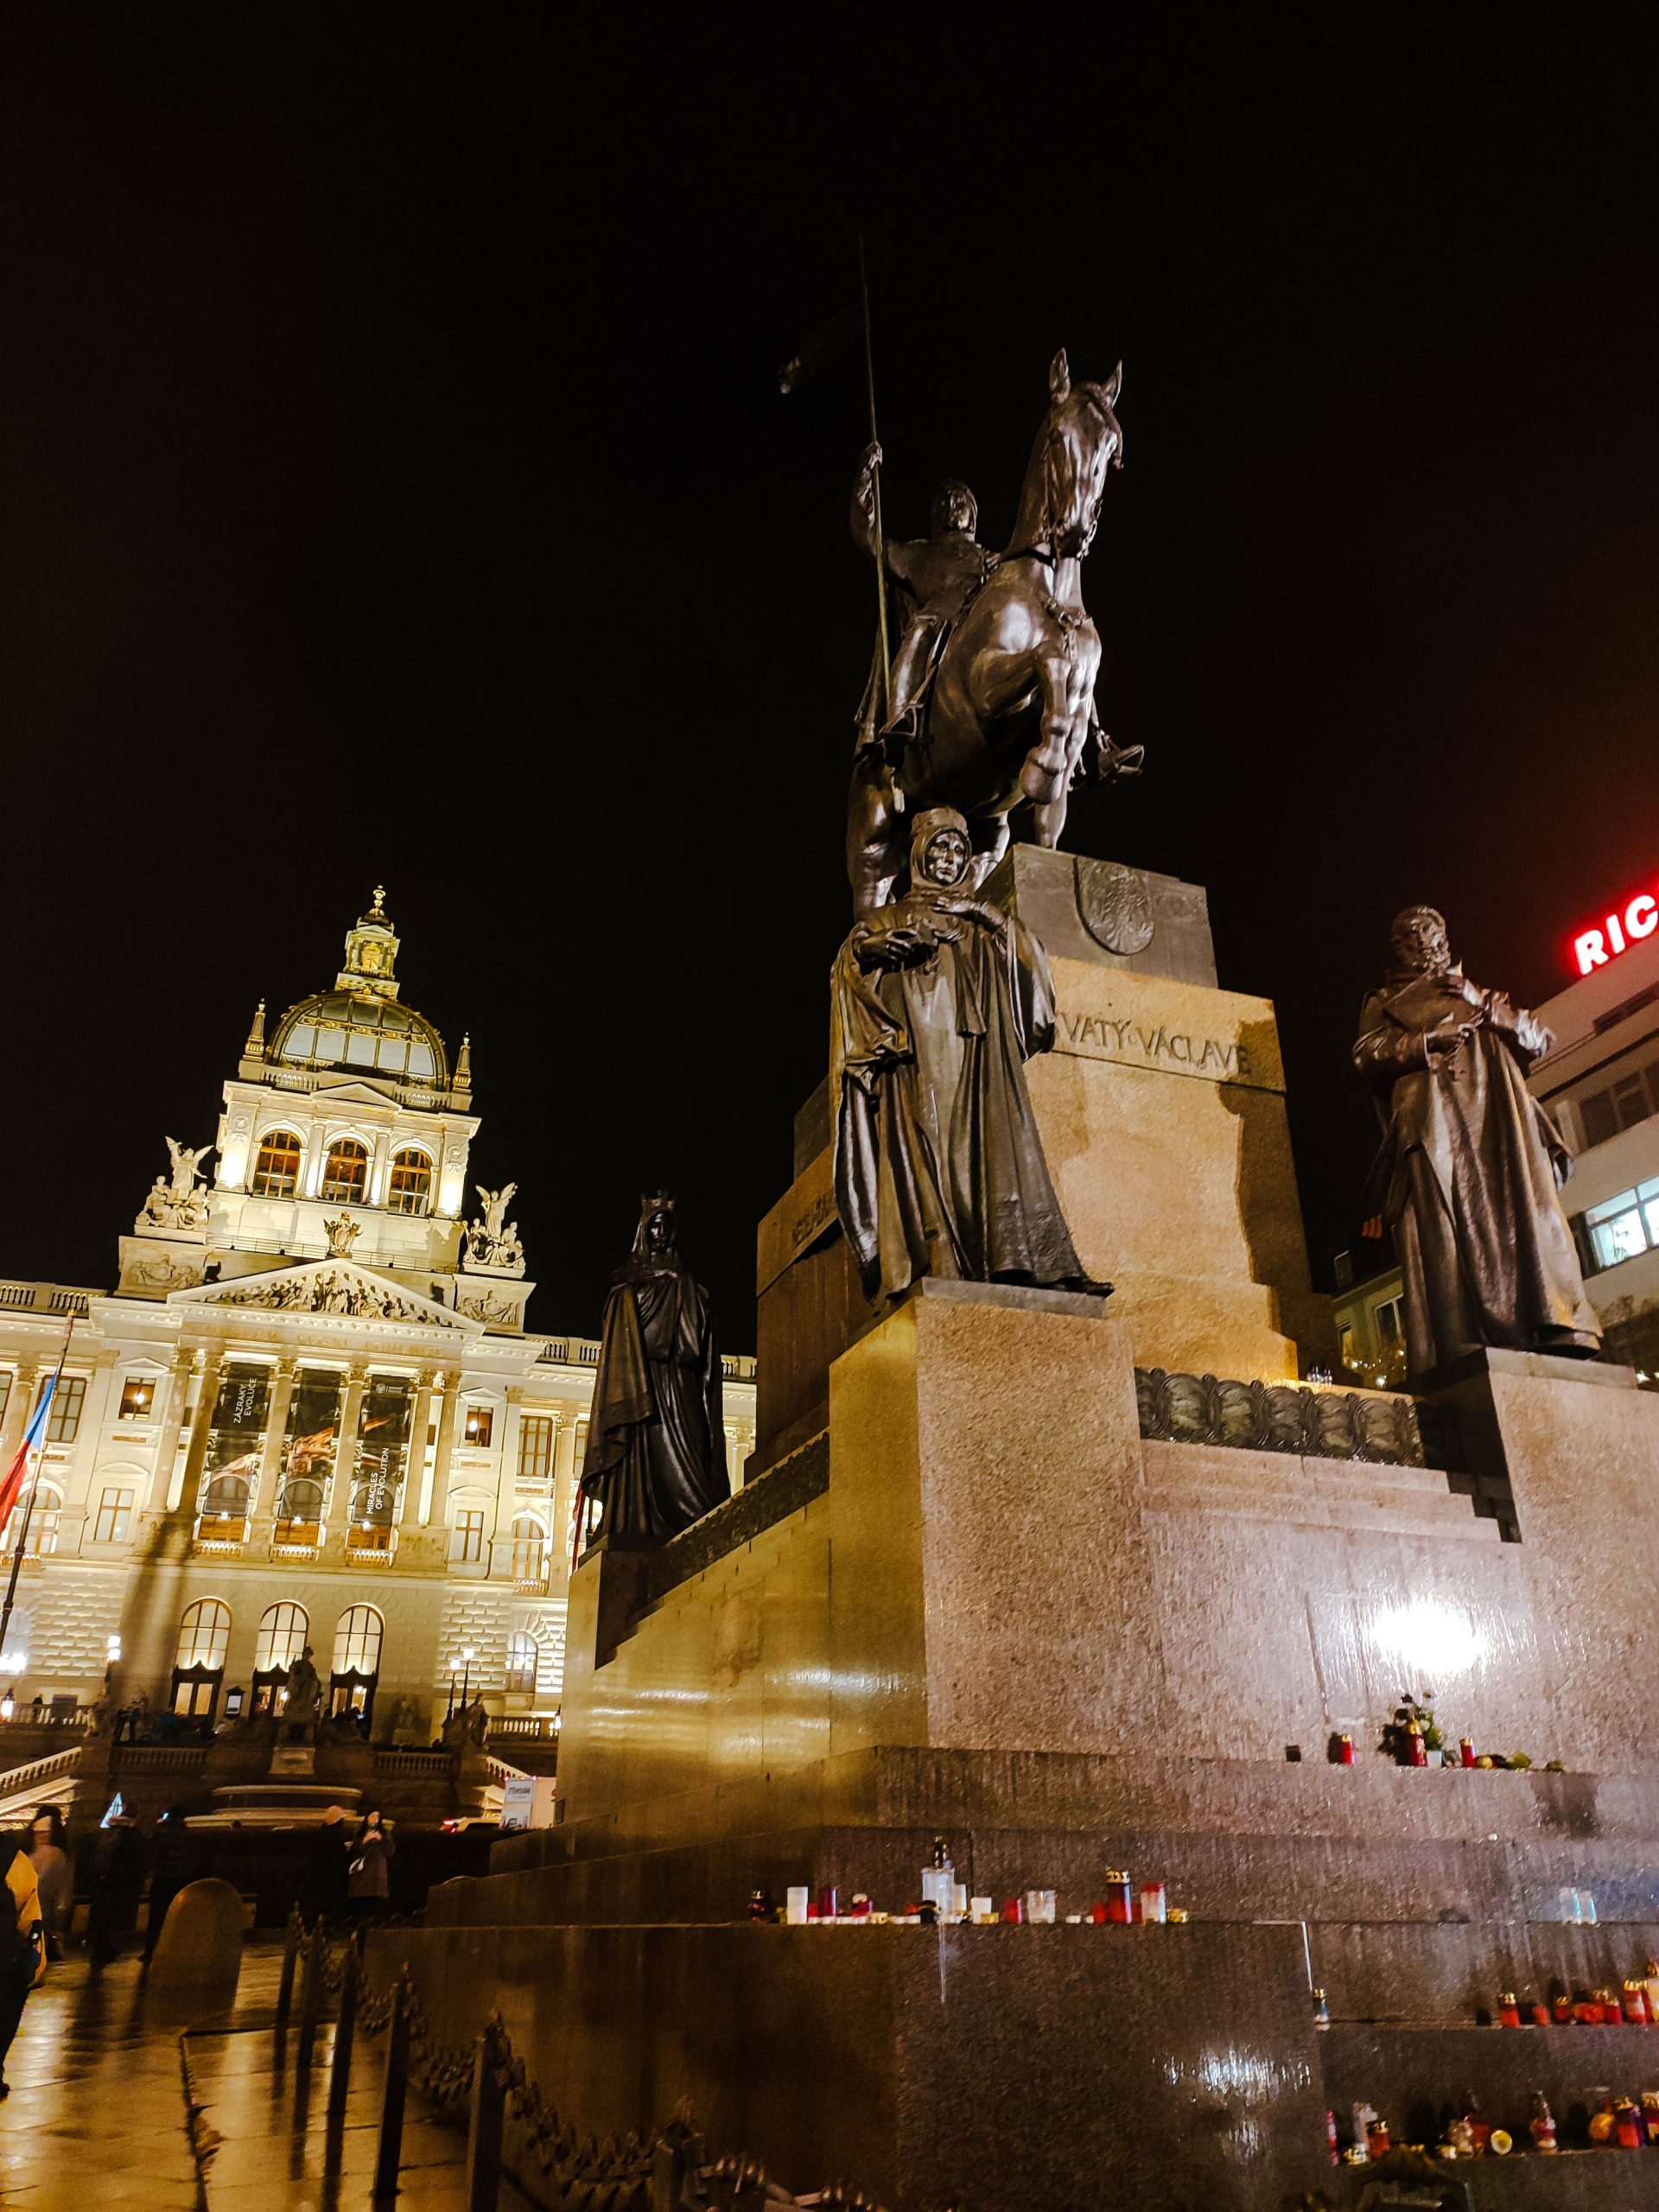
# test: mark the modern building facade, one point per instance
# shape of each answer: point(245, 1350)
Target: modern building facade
point(310, 1412)
point(1601, 1082)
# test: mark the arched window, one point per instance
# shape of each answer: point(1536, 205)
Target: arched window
point(345, 1171)
point(529, 1550)
point(282, 1638)
point(226, 1498)
point(277, 1165)
point(357, 1641)
point(411, 1188)
point(522, 1655)
point(204, 1634)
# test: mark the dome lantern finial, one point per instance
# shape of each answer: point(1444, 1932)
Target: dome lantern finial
point(372, 952)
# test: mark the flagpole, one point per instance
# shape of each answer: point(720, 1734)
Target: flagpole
point(35, 1483)
point(875, 490)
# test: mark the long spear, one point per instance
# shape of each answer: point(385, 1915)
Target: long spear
point(28, 1506)
point(875, 489)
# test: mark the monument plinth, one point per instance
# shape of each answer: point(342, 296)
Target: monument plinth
point(1161, 1108)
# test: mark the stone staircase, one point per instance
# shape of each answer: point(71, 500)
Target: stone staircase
point(1377, 1498)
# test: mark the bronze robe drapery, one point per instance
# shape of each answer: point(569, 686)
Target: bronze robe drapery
point(1468, 1176)
point(656, 1442)
point(937, 1003)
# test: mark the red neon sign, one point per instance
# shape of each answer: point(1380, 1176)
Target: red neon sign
point(1616, 933)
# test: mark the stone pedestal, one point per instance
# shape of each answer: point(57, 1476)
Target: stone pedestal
point(1162, 1113)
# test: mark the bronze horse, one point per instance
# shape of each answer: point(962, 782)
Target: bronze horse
point(1012, 697)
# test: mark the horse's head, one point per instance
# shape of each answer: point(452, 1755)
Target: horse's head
point(1080, 439)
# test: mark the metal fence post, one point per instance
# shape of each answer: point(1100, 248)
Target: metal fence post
point(310, 2006)
point(484, 2127)
point(340, 2075)
point(389, 2155)
point(292, 1936)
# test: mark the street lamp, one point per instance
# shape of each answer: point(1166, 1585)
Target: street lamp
point(463, 1667)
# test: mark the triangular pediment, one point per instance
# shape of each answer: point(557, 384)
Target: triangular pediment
point(336, 1288)
point(352, 1091)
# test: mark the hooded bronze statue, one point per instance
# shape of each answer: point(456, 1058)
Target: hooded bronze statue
point(1471, 1163)
point(656, 1455)
point(938, 1000)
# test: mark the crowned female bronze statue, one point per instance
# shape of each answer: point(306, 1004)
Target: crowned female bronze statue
point(656, 1455)
point(1471, 1163)
point(939, 1000)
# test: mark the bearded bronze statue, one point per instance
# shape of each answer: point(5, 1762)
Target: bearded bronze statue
point(1469, 1174)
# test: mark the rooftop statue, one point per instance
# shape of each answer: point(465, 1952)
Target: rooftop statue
point(939, 1000)
point(993, 687)
point(656, 1440)
point(178, 1202)
point(494, 1243)
point(1470, 1165)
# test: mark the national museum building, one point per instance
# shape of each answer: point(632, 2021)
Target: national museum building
point(310, 1412)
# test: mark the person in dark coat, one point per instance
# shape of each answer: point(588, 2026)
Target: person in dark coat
point(323, 1876)
point(368, 1879)
point(172, 1854)
point(22, 1941)
point(116, 1888)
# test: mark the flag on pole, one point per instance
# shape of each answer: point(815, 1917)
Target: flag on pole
point(17, 1474)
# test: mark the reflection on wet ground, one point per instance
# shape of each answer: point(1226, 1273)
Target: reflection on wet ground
point(103, 2083)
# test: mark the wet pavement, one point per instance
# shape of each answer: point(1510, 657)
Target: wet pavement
point(123, 2100)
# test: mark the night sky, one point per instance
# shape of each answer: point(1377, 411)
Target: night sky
point(397, 489)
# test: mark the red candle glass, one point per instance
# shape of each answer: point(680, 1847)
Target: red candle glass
point(1012, 1911)
point(1509, 2013)
point(1344, 1750)
point(1119, 1905)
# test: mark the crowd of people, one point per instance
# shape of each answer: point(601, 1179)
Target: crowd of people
point(345, 1875)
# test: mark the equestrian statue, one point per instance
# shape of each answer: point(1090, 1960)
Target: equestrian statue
point(990, 701)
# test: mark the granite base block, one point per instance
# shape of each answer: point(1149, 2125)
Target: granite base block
point(1065, 2069)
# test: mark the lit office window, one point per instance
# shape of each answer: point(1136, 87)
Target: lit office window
point(63, 1422)
point(114, 1517)
point(522, 1655)
point(1622, 1227)
point(535, 1447)
point(137, 1398)
point(469, 1537)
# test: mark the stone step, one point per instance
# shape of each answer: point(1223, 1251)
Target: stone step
point(1411, 1514)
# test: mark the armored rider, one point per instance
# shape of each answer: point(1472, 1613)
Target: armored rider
point(931, 580)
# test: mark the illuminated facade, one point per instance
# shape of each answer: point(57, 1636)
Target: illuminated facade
point(310, 1413)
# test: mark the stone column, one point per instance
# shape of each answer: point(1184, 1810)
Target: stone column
point(506, 1483)
point(438, 1515)
point(167, 1430)
point(262, 1518)
point(345, 1449)
point(25, 1385)
point(420, 1420)
point(196, 1457)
